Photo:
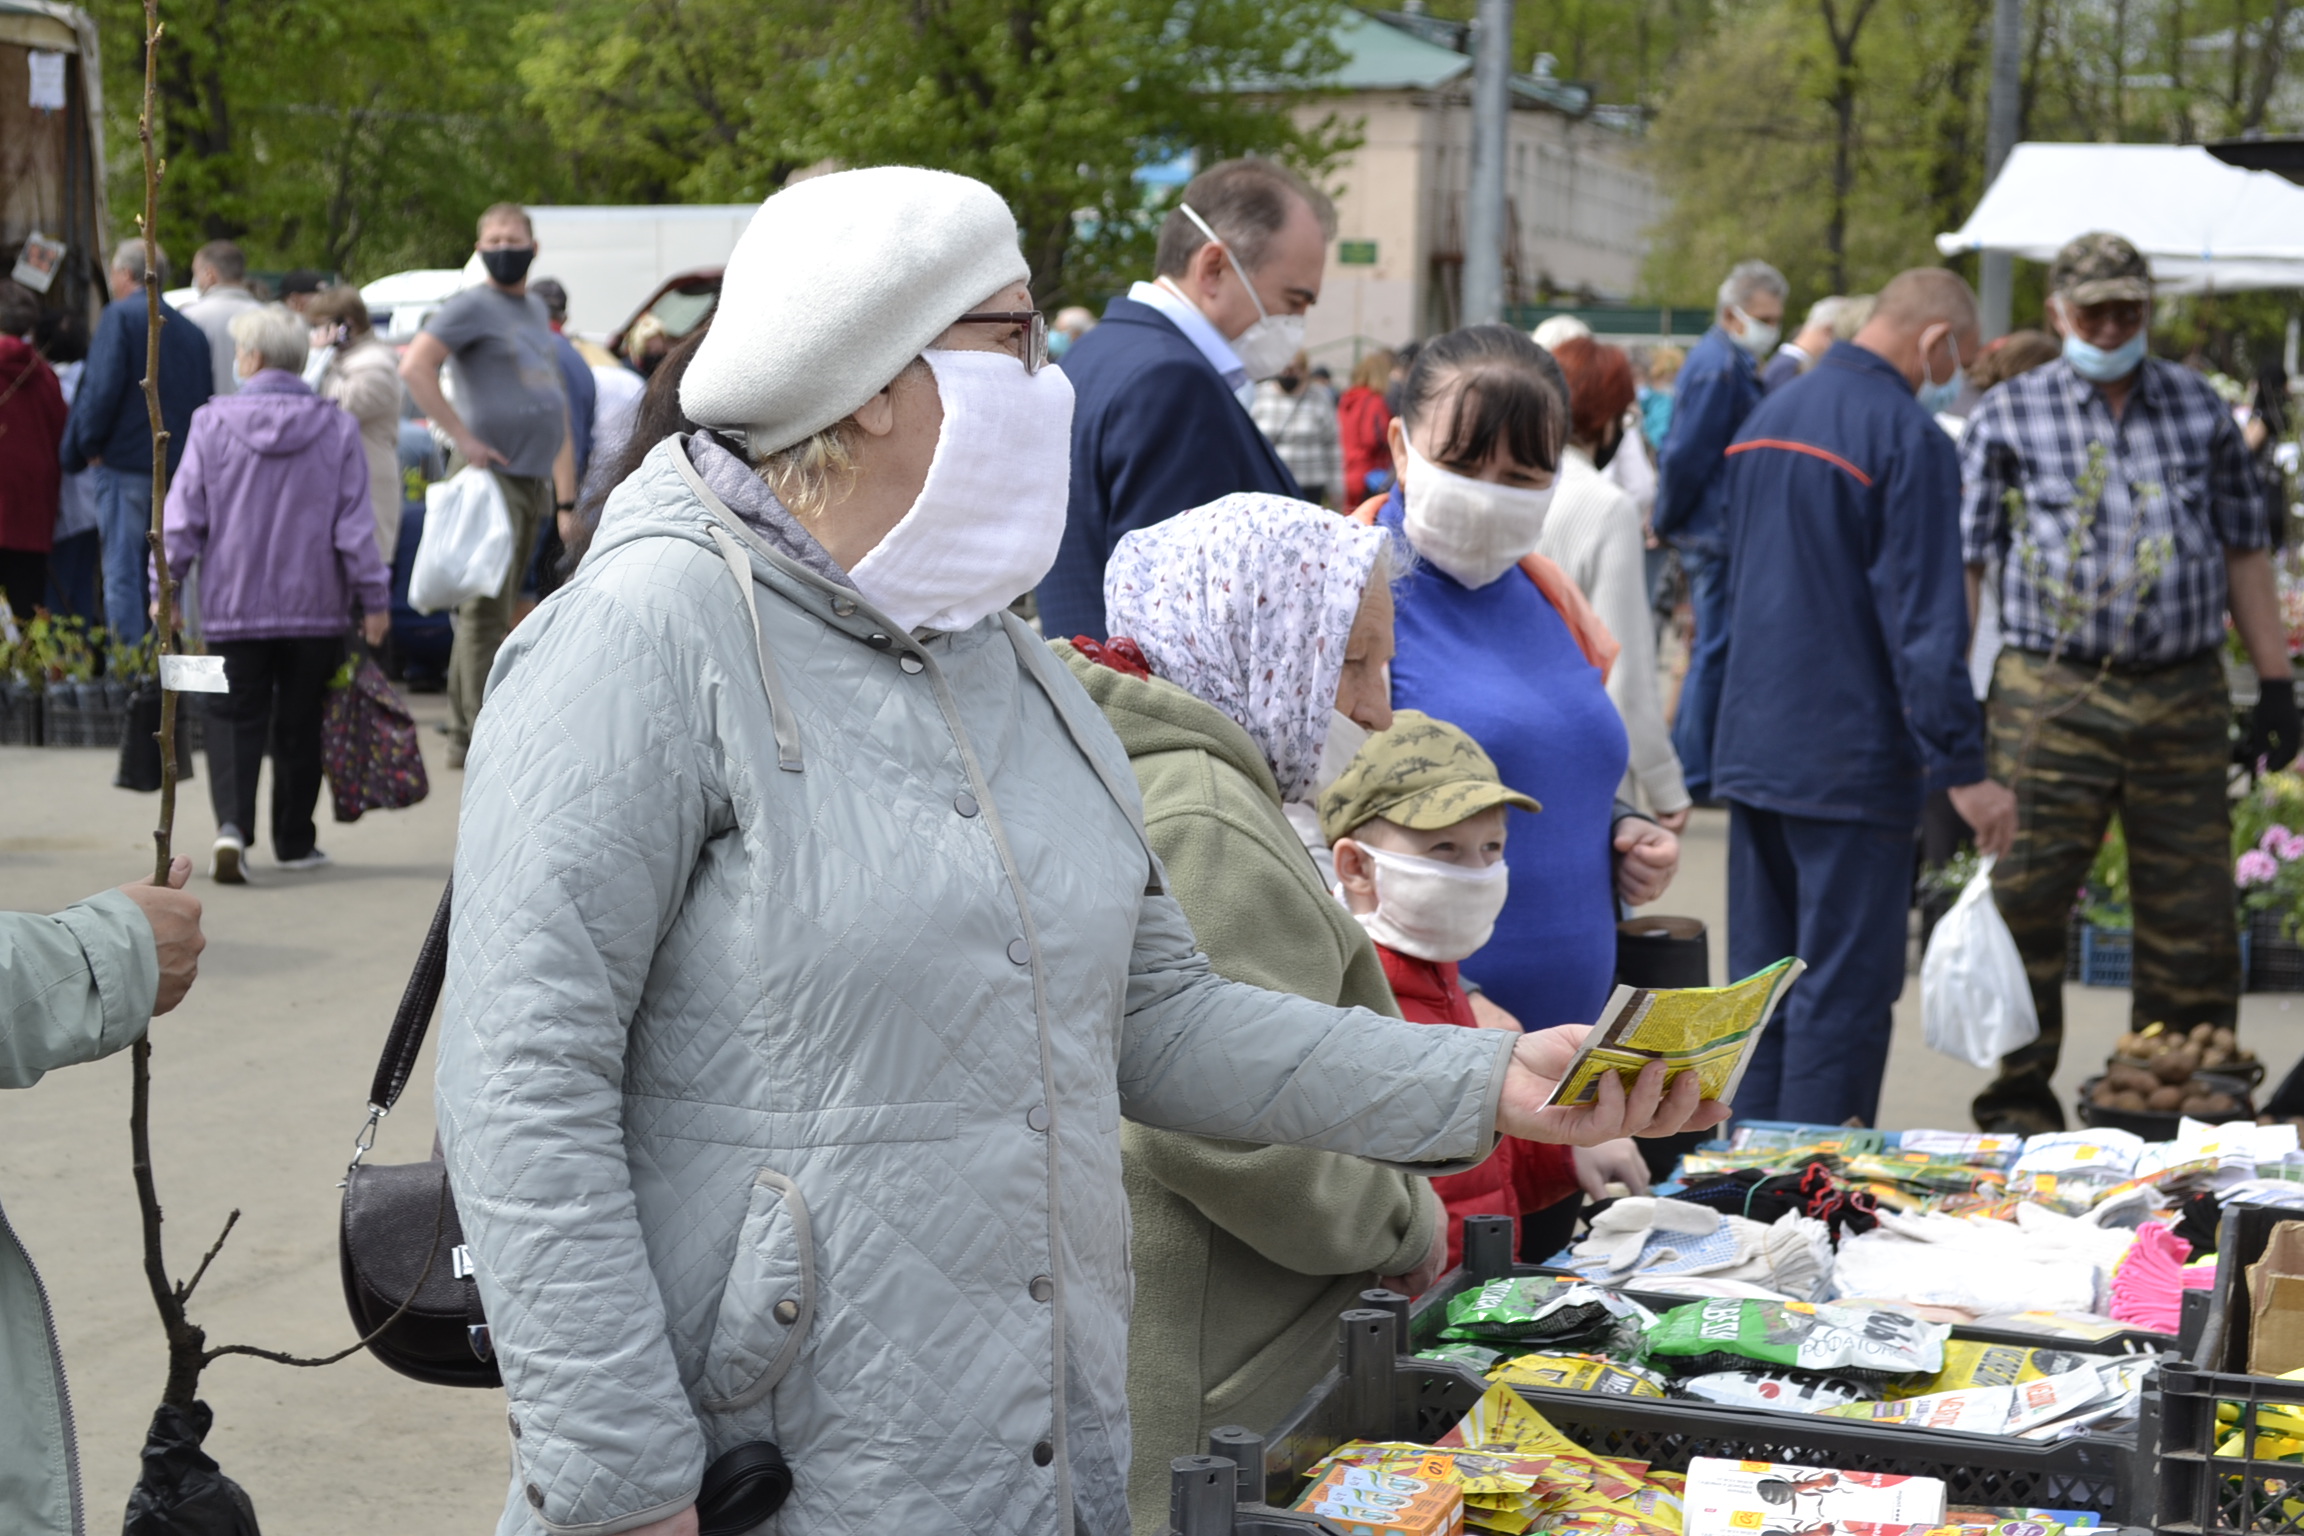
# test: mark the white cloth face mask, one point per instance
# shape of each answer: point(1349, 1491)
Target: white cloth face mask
point(1475, 530)
point(985, 526)
point(1430, 909)
point(1266, 348)
point(1346, 736)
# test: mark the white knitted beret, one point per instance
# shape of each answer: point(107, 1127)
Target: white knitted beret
point(836, 285)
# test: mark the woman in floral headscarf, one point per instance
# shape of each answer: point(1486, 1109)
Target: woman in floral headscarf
point(1251, 624)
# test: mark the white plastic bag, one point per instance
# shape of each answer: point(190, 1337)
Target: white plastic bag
point(1975, 1002)
point(466, 550)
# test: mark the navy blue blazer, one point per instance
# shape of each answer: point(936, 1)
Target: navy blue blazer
point(107, 420)
point(1155, 431)
point(1847, 694)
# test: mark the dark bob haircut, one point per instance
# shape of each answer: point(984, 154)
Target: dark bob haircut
point(1513, 394)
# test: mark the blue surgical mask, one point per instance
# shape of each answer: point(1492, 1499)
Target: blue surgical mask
point(2098, 366)
point(1937, 398)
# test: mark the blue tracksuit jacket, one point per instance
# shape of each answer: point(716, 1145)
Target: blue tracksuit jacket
point(1847, 694)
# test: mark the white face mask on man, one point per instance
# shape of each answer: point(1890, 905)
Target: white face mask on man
point(985, 526)
point(1271, 344)
point(1475, 530)
point(1431, 909)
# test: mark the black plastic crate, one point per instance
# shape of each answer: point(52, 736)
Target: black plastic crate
point(2275, 962)
point(2204, 1493)
point(20, 719)
point(73, 724)
point(1373, 1397)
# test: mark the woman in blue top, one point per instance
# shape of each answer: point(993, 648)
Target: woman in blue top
point(1492, 638)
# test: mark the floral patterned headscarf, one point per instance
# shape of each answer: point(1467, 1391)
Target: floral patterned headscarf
point(1246, 603)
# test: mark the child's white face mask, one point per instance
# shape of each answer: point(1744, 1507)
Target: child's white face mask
point(1430, 909)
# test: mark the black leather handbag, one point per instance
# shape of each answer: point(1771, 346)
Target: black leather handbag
point(408, 1278)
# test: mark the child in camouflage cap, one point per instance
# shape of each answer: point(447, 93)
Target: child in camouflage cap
point(1417, 824)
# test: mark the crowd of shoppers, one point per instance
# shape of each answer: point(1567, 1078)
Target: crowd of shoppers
point(789, 848)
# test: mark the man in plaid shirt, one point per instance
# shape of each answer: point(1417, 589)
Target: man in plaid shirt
point(2113, 500)
point(1297, 415)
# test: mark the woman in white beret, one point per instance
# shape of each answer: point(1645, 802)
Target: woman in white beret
point(808, 953)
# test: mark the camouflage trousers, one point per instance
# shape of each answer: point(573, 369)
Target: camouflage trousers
point(2151, 745)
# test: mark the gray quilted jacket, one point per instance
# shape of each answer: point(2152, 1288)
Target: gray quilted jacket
point(802, 973)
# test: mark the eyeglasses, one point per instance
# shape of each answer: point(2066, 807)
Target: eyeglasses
point(1035, 331)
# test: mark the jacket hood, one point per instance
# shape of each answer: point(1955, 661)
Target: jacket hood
point(1151, 716)
point(274, 413)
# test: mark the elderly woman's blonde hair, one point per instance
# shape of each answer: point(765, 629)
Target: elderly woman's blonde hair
point(814, 472)
point(276, 334)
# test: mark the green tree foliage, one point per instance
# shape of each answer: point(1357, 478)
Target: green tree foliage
point(360, 136)
point(1057, 103)
point(1836, 138)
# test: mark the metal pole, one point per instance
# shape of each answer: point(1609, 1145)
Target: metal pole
point(1999, 267)
point(1491, 140)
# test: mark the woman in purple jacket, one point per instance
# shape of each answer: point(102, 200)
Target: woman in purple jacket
point(270, 504)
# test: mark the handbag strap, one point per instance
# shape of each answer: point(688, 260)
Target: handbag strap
point(413, 1019)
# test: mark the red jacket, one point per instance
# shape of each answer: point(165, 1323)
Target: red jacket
point(1361, 421)
point(31, 425)
point(1522, 1175)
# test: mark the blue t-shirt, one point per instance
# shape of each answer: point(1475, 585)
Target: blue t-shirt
point(1501, 664)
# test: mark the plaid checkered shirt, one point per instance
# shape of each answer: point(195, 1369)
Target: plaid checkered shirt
point(2176, 470)
point(1302, 430)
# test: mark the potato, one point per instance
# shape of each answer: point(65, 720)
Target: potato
point(2196, 1106)
point(2174, 1066)
point(2131, 1101)
point(2165, 1097)
point(2129, 1044)
point(2226, 1036)
point(2103, 1095)
point(2203, 1033)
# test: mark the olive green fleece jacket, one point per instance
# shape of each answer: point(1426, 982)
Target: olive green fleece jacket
point(1244, 1255)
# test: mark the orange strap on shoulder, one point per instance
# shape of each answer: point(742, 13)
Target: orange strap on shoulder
point(1592, 638)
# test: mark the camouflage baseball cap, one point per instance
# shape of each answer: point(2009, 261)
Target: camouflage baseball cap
point(1423, 773)
point(2099, 268)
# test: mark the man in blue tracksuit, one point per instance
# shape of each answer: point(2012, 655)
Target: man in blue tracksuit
point(1846, 697)
point(1719, 385)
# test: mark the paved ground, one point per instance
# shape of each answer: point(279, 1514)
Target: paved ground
point(260, 1080)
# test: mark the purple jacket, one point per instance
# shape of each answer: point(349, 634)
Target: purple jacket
point(272, 501)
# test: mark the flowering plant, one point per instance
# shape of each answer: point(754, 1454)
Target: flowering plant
point(2268, 848)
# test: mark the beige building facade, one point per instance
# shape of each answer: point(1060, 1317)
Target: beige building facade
point(1581, 205)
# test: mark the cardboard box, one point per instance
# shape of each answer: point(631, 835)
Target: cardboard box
point(1754, 1498)
point(2276, 1303)
point(1361, 1501)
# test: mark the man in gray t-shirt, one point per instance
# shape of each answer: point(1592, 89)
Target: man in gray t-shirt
point(510, 417)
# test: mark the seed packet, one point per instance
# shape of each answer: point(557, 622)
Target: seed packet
point(1748, 1498)
point(1386, 1504)
point(1533, 1307)
point(1580, 1373)
point(1478, 1356)
point(1777, 1389)
point(1484, 1472)
point(1971, 1363)
point(2069, 1171)
point(1727, 1333)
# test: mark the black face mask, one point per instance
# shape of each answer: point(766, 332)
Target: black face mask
point(1607, 450)
point(508, 264)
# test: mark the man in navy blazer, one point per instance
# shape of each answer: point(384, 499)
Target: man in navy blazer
point(1160, 421)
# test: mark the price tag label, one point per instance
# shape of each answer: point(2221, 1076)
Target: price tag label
point(193, 674)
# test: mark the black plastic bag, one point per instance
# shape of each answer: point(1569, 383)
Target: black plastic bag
point(182, 1491)
point(140, 742)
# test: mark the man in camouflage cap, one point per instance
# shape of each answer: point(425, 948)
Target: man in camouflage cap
point(2112, 501)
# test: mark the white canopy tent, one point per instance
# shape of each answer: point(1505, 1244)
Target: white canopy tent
point(2205, 226)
